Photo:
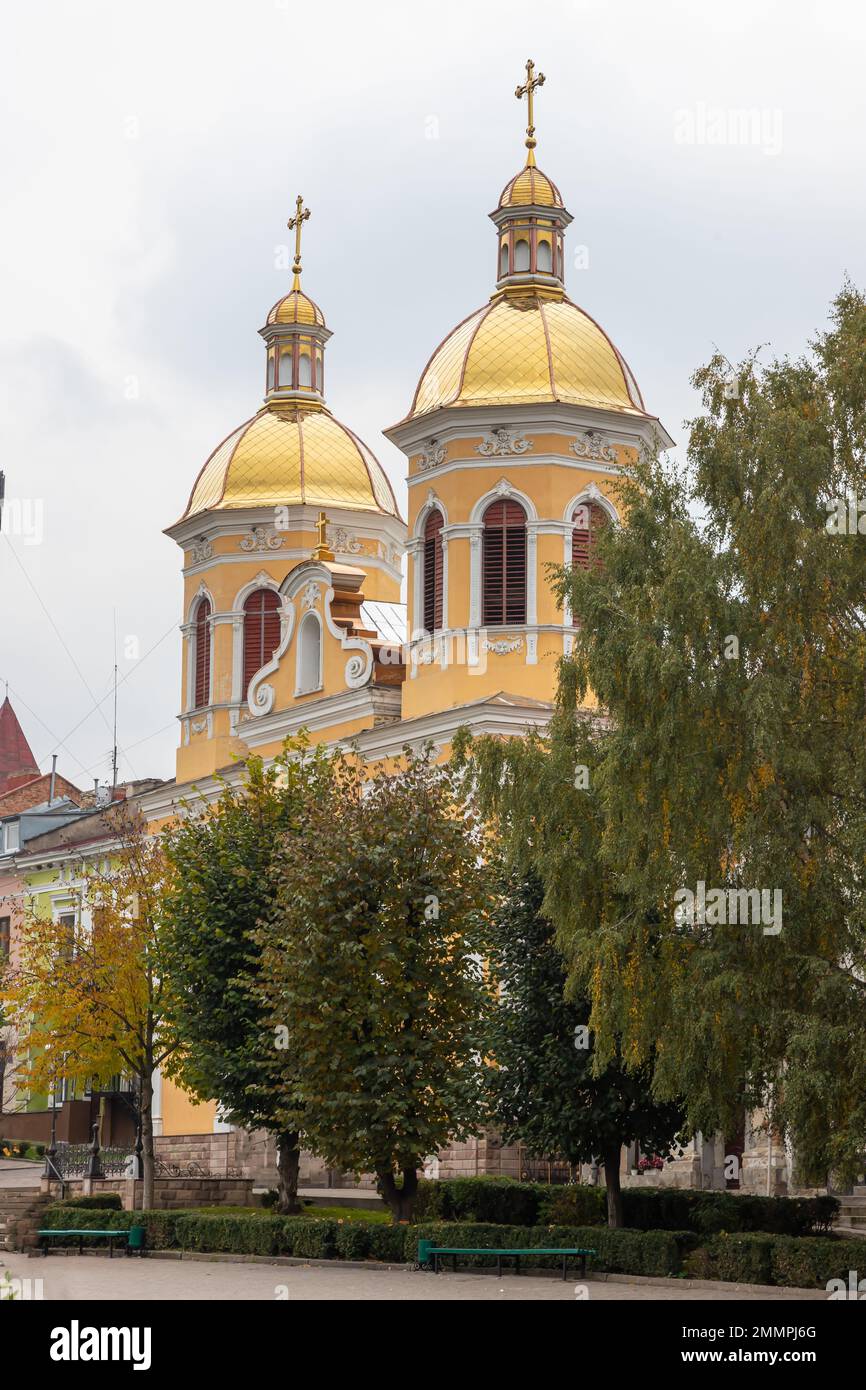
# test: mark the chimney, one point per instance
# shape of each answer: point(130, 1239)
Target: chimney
point(53, 778)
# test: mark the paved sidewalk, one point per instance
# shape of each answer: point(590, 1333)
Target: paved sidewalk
point(16, 1173)
point(70, 1278)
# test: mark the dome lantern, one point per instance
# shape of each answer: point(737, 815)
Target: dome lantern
point(295, 334)
point(530, 220)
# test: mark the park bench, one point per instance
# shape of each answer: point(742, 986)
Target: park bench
point(134, 1238)
point(428, 1250)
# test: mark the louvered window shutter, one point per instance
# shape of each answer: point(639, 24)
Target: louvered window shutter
point(503, 564)
point(202, 653)
point(592, 519)
point(261, 631)
point(432, 576)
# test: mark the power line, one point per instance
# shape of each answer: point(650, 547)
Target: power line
point(97, 704)
point(132, 672)
point(58, 742)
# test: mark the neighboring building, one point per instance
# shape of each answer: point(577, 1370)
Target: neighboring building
point(48, 831)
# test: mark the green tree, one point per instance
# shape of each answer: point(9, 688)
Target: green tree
point(724, 636)
point(545, 1092)
point(224, 857)
point(371, 962)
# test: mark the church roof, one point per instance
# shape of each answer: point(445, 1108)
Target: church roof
point(288, 456)
point(17, 763)
point(524, 350)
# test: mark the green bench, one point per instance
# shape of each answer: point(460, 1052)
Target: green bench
point(134, 1238)
point(428, 1250)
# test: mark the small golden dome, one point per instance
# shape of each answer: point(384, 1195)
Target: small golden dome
point(296, 307)
point(284, 457)
point(524, 350)
point(531, 188)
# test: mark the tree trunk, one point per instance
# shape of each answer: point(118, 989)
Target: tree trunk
point(611, 1182)
point(400, 1200)
point(148, 1162)
point(288, 1167)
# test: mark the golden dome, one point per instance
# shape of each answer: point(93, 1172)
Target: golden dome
point(524, 350)
point(296, 307)
point(530, 187)
point(283, 457)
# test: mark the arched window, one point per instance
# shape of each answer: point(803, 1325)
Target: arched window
point(305, 371)
point(543, 260)
point(285, 370)
point(201, 654)
point(521, 255)
point(432, 572)
point(503, 564)
point(261, 631)
point(309, 669)
point(270, 373)
point(588, 520)
point(503, 259)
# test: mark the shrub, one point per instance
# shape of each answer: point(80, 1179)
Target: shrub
point(710, 1213)
point(387, 1244)
point(488, 1199)
point(353, 1241)
point(105, 1201)
point(741, 1259)
point(573, 1206)
point(506, 1202)
point(314, 1240)
point(812, 1262)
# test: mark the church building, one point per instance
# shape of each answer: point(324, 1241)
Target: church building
point(310, 603)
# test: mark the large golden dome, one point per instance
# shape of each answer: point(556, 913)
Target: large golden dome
point(525, 350)
point(286, 456)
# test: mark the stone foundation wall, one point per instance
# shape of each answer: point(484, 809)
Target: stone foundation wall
point(169, 1194)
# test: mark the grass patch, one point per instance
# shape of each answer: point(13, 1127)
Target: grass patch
point(376, 1216)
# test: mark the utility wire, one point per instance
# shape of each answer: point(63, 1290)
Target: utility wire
point(60, 638)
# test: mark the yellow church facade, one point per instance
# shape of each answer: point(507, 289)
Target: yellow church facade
point(310, 603)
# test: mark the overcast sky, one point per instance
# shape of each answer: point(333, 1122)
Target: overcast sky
point(151, 154)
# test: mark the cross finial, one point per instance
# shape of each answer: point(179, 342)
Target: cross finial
point(526, 90)
point(322, 552)
point(294, 224)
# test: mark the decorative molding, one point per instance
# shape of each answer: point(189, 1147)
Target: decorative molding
point(432, 454)
point(260, 538)
point(592, 446)
point(503, 441)
point(201, 551)
point(340, 538)
point(502, 645)
point(311, 594)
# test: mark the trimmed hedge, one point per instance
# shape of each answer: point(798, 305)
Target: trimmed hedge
point(745, 1257)
point(786, 1261)
point(107, 1201)
point(503, 1201)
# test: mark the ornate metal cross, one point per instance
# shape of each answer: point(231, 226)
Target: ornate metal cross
point(294, 224)
point(527, 90)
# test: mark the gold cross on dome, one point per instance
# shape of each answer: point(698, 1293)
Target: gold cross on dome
point(527, 91)
point(294, 224)
point(322, 550)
